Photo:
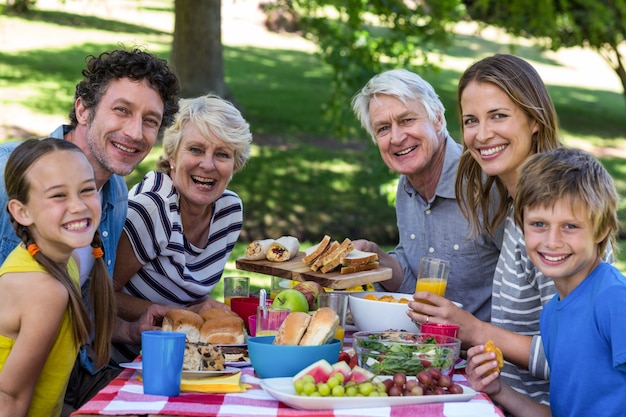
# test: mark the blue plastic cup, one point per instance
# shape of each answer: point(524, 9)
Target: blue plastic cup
point(162, 362)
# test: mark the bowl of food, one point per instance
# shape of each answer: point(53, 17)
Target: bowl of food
point(379, 311)
point(388, 352)
point(271, 360)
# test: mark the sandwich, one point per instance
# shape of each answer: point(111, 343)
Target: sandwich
point(358, 260)
point(314, 252)
point(301, 329)
point(283, 249)
point(319, 261)
point(321, 328)
point(257, 249)
point(292, 329)
point(333, 259)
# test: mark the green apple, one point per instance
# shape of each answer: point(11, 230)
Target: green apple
point(292, 299)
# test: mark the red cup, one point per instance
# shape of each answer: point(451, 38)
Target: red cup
point(451, 330)
point(246, 307)
point(252, 325)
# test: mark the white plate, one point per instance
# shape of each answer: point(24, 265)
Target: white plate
point(207, 374)
point(238, 364)
point(188, 374)
point(282, 389)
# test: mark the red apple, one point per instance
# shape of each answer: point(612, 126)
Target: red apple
point(310, 289)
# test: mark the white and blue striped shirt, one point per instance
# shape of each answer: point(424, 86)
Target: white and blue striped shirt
point(175, 272)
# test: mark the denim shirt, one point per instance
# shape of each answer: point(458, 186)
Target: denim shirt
point(114, 195)
point(437, 228)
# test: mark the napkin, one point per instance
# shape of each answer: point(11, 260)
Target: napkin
point(214, 385)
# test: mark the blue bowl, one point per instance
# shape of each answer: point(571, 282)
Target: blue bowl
point(276, 361)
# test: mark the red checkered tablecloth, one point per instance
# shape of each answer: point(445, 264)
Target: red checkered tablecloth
point(124, 397)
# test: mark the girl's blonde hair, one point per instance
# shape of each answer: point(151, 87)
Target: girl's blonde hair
point(102, 297)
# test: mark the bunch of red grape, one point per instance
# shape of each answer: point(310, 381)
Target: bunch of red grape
point(427, 382)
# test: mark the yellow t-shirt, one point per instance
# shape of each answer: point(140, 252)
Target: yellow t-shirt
point(50, 388)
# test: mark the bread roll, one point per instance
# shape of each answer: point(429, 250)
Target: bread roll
point(292, 329)
point(216, 313)
point(223, 331)
point(321, 328)
point(185, 321)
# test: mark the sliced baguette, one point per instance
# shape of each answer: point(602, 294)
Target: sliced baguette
point(321, 329)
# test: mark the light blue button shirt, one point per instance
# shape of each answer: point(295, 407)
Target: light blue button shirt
point(437, 228)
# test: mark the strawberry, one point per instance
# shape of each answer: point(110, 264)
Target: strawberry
point(353, 361)
point(344, 356)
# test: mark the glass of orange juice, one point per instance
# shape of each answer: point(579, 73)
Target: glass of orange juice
point(338, 301)
point(433, 275)
point(279, 284)
point(236, 287)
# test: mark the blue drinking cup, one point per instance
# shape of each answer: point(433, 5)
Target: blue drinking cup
point(162, 362)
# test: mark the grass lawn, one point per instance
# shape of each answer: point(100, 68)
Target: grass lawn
point(301, 179)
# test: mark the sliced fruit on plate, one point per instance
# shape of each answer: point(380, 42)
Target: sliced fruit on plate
point(320, 371)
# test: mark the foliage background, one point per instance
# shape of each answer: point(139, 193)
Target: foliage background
point(302, 180)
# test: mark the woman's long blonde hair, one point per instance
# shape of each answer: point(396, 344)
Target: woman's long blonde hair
point(521, 82)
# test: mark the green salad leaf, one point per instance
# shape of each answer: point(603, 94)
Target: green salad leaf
point(408, 358)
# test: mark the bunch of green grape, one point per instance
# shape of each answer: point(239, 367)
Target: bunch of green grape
point(427, 382)
point(335, 387)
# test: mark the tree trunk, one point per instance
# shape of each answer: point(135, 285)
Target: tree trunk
point(197, 55)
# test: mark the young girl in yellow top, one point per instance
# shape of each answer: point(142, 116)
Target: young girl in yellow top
point(54, 207)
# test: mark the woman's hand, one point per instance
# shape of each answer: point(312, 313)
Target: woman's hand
point(206, 304)
point(442, 310)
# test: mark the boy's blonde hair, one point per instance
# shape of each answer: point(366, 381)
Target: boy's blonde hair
point(568, 173)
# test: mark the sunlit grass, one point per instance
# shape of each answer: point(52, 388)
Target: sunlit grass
point(300, 180)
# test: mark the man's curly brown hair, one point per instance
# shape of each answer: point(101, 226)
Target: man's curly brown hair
point(134, 64)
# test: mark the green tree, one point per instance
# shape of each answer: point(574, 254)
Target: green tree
point(20, 6)
point(596, 24)
point(197, 53)
point(359, 38)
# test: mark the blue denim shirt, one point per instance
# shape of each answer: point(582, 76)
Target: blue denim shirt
point(114, 194)
point(437, 228)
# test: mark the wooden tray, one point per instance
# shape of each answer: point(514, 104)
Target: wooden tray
point(297, 270)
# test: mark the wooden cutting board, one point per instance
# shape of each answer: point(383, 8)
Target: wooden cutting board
point(297, 270)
